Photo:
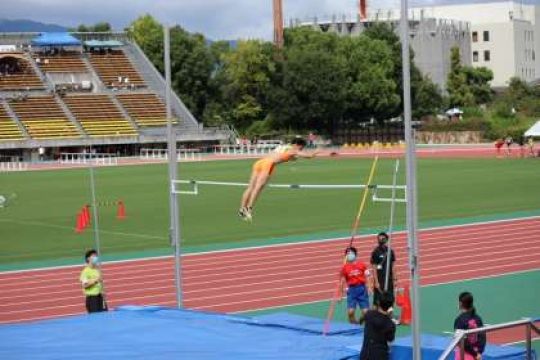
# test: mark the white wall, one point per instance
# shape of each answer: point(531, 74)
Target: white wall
point(514, 31)
point(502, 58)
point(474, 13)
point(525, 67)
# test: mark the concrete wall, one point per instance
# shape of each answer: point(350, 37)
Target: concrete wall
point(432, 43)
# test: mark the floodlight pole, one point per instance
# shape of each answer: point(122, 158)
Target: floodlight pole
point(174, 230)
point(410, 156)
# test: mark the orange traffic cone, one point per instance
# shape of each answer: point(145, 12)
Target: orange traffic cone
point(79, 227)
point(121, 213)
point(83, 218)
point(403, 300)
point(86, 214)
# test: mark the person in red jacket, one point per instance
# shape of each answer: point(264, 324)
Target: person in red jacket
point(354, 273)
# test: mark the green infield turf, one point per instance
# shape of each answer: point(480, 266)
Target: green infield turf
point(39, 224)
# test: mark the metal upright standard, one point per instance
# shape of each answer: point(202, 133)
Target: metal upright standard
point(174, 231)
point(391, 227)
point(97, 243)
point(410, 156)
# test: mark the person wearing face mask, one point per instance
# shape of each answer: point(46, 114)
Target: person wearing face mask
point(92, 283)
point(379, 258)
point(354, 273)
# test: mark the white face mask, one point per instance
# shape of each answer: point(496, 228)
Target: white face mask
point(351, 256)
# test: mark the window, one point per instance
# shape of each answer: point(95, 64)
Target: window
point(475, 36)
point(486, 35)
point(487, 55)
point(475, 56)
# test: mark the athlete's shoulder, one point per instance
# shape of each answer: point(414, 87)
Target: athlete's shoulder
point(280, 149)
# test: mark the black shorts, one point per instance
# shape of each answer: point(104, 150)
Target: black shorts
point(95, 303)
point(377, 294)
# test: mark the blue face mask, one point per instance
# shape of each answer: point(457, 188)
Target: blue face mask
point(351, 257)
point(94, 260)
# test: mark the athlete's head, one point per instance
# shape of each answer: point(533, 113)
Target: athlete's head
point(382, 238)
point(351, 253)
point(299, 143)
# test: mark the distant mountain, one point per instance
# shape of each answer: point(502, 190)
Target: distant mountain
point(28, 26)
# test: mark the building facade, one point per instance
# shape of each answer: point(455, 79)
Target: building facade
point(505, 35)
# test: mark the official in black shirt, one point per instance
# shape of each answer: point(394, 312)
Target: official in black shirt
point(379, 330)
point(378, 264)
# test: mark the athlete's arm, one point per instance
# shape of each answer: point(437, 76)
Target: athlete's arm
point(307, 155)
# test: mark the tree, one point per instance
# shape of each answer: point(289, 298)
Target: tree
point(215, 111)
point(147, 32)
point(371, 89)
point(101, 26)
point(459, 92)
point(191, 60)
point(246, 81)
point(518, 89)
point(426, 96)
point(191, 68)
point(478, 81)
point(427, 99)
point(308, 89)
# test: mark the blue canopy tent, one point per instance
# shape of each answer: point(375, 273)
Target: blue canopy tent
point(55, 39)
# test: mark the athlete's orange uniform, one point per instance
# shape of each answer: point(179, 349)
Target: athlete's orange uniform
point(267, 164)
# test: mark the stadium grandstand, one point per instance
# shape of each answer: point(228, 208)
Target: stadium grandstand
point(76, 90)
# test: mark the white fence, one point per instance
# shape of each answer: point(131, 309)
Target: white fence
point(13, 166)
point(163, 154)
point(258, 149)
point(86, 158)
point(458, 342)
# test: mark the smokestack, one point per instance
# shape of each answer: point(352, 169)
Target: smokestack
point(362, 9)
point(278, 23)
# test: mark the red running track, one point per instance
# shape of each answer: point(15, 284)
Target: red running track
point(272, 276)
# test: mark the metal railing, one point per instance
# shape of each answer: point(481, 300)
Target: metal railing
point(460, 336)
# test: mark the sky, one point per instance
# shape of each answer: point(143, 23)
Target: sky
point(216, 19)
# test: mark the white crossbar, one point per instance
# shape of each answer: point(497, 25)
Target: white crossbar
point(195, 187)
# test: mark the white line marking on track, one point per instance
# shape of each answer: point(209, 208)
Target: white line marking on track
point(270, 246)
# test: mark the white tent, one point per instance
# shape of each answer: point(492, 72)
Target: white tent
point(534, 130)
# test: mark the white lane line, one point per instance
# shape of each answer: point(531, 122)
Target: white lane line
point(487, 251)
point(430, 229)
